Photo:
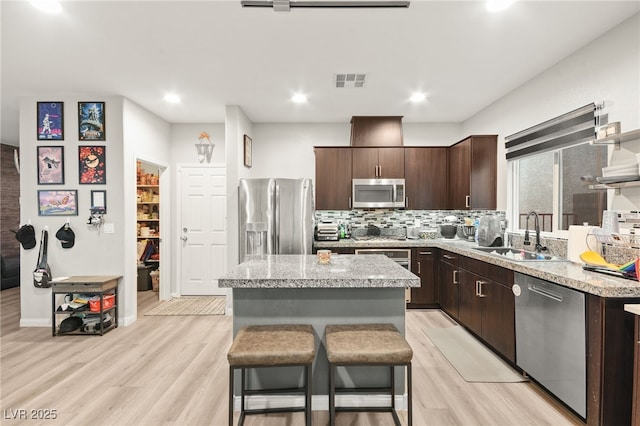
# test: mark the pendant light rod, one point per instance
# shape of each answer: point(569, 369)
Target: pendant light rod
point(284, 5)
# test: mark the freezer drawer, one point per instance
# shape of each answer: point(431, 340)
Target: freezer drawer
point(551, 339)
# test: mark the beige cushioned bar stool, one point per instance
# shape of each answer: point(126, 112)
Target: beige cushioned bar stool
point(261, 346)
point(367, 345)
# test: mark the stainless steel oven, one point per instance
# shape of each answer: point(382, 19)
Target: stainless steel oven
point(401, 256)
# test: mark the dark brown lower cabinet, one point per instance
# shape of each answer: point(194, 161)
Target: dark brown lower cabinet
point(423, 264)
point(448, 282)
point(487, 308)
point(610, 361)
point(636, 381)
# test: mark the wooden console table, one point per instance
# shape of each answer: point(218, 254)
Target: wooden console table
point(99, 285)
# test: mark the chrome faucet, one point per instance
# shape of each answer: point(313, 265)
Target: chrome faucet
point(526, 242)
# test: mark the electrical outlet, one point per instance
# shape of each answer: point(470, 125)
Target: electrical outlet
point(109, 228)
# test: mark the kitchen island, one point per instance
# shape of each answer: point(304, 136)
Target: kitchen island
point(290, 289)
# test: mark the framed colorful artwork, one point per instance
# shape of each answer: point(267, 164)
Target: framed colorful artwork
point(91, 121)
point(92, 164)
point(50, 165)
point(58, 203)
point(50, 121)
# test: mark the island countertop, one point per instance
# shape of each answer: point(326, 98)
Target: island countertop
point(304, 271)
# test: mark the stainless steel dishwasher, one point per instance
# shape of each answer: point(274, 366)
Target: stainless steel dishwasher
point(550, 338)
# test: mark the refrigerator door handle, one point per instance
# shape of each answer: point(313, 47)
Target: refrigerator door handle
point(276, 230)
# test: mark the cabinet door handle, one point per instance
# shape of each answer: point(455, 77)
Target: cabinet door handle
point(379, 171)
point(425, 253)
point(455, 277)
point(467, 201)
point(376, 172)
point(418, 268)
point(479, 288)
point(349, 202)
point(446, 256)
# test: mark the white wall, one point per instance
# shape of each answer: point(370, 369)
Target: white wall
point(146, 137)
point(184, 138)
point(131, 132)
point(607, 69)
point(94, 252)
point(237, 124)
point(285, 150)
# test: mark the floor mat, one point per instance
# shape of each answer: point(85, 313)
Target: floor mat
point(470, 358)
point(190, 305)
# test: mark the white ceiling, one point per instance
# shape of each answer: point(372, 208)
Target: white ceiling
point(216, 53)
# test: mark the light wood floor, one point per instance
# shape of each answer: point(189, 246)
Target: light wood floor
point(173, 371)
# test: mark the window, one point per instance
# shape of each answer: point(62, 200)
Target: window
point(552, 165)
point(555, 184)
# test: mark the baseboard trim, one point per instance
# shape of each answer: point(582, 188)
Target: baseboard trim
point(35, 322)
point(319, 402)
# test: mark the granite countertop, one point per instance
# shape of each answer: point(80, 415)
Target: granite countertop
point(304, 271)
point(567, 273)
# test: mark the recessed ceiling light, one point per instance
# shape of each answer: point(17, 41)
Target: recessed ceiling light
point(172, 98)
point(498, 5)
point(299, 98)
point(418, 97)
point(48, 6)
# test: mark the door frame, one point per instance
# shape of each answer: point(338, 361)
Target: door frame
point(178, 242)
point(165, 215)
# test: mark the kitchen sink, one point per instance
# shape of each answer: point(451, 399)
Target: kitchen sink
point(520, 255)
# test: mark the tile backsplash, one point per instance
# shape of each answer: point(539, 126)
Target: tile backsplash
point(388, 218)
point(394, 220)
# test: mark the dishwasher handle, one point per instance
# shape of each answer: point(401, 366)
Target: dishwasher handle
point(544, 292)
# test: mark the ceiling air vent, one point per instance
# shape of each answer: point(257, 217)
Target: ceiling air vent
point(350, 80)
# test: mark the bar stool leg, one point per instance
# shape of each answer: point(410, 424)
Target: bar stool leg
point(332, 395)
point(393, 388)
point(231, 370)
point(308, 391)
point(410, 397)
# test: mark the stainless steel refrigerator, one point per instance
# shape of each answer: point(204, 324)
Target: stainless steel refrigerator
point(276, 216)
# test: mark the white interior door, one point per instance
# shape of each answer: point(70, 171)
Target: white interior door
point(203, 230)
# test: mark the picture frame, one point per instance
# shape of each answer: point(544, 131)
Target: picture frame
point(247, 151)
point(58, 202)
point(50, 121)
point(99, 200)
point(92, 169)
point(50, 165)
point(91, 121)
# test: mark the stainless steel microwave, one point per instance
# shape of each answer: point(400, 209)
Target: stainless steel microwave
point(378, 193)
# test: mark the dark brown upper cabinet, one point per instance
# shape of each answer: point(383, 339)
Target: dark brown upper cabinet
point(472, 173)
point(333, 178)
point(376, 131)
point(425, 173)
point(378, 163)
